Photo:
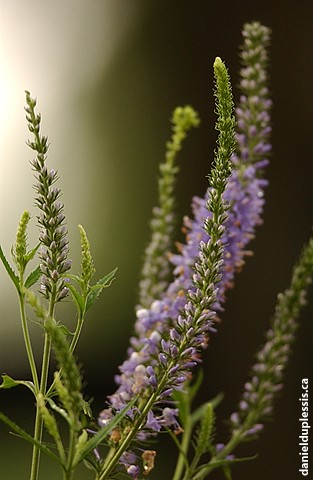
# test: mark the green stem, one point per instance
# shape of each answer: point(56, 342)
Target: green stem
point(228, 448)
point(73, 344)
point(71, 449)
point(43, 387)
point(110, 465)
point(182, 458)
point(80, 323)
point(27, 341)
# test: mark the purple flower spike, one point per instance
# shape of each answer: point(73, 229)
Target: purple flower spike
point(217, 237)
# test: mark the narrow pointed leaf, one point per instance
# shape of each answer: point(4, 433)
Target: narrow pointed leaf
point(204, 470)
point(21, 433)
point(94, 441)
point(95, 291)
point(8, 382)
point(65, 330)
point(77, 278)
point(33, 277)
point(203, 437)
point(30, 255)
point(78, 299)
point(10, 271)
point(58, 409)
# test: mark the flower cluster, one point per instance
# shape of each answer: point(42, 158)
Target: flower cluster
point(170, 333)
point(53, 236)
point(174, 319)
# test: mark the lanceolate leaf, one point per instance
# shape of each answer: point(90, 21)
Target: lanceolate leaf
point(30, 255)
point(21, 433)
point(32, 277)
point(95, 291)
point(204, 470)
point(65, 330)
point(8, 382)
point(78, 299)
point(203, 438)
point(94, 441)
point(10, 271)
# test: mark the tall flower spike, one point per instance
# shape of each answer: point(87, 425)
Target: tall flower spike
point(53, 234)
point(245, 194)
point(245, 190)
point(156, 267)
point(163, 364)
point(271, 360)
point(190, 331)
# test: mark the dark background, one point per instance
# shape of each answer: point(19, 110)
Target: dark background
point(167, 61)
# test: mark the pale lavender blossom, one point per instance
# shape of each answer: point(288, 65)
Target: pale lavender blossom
point(170, 333)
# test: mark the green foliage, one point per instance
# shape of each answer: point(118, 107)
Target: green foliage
point(10, 271)
point(87, 265)
point(19, 249)
point(33, 277)
point(21, 433)
point(71, 395)
point(8, 382)
point(156, 268)
point(63, 400)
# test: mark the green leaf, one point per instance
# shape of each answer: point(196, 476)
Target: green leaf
point(95, 290)
point(32, 277)
point(21, 433)
point(77, 278)
point(204, 434)
point(65, 330)
point(87, 409)
point(193, 389)
point(8, 382)
point(199, 412)
point(10, 271)
point(30, 255)
point(182, 400)
point(94, 441)
point(204, 470)
point(58, 409)
point(78, 299)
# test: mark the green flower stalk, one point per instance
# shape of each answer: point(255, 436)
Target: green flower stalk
point(71, 377)
point(266, 380)
point(87, 266)
point(156, 376)
point(156, 267)
point(19, 249)
point(54, 248)
point(267, 373)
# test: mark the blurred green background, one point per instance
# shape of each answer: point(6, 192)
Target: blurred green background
point(107, 75)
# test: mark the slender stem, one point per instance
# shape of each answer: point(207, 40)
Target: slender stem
point(182, 458)
point(80, 323)
point(109, 466)
point(42, 390)
point(228, 448)
point(38, 421)
point(71, 450)
point(27, 341)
